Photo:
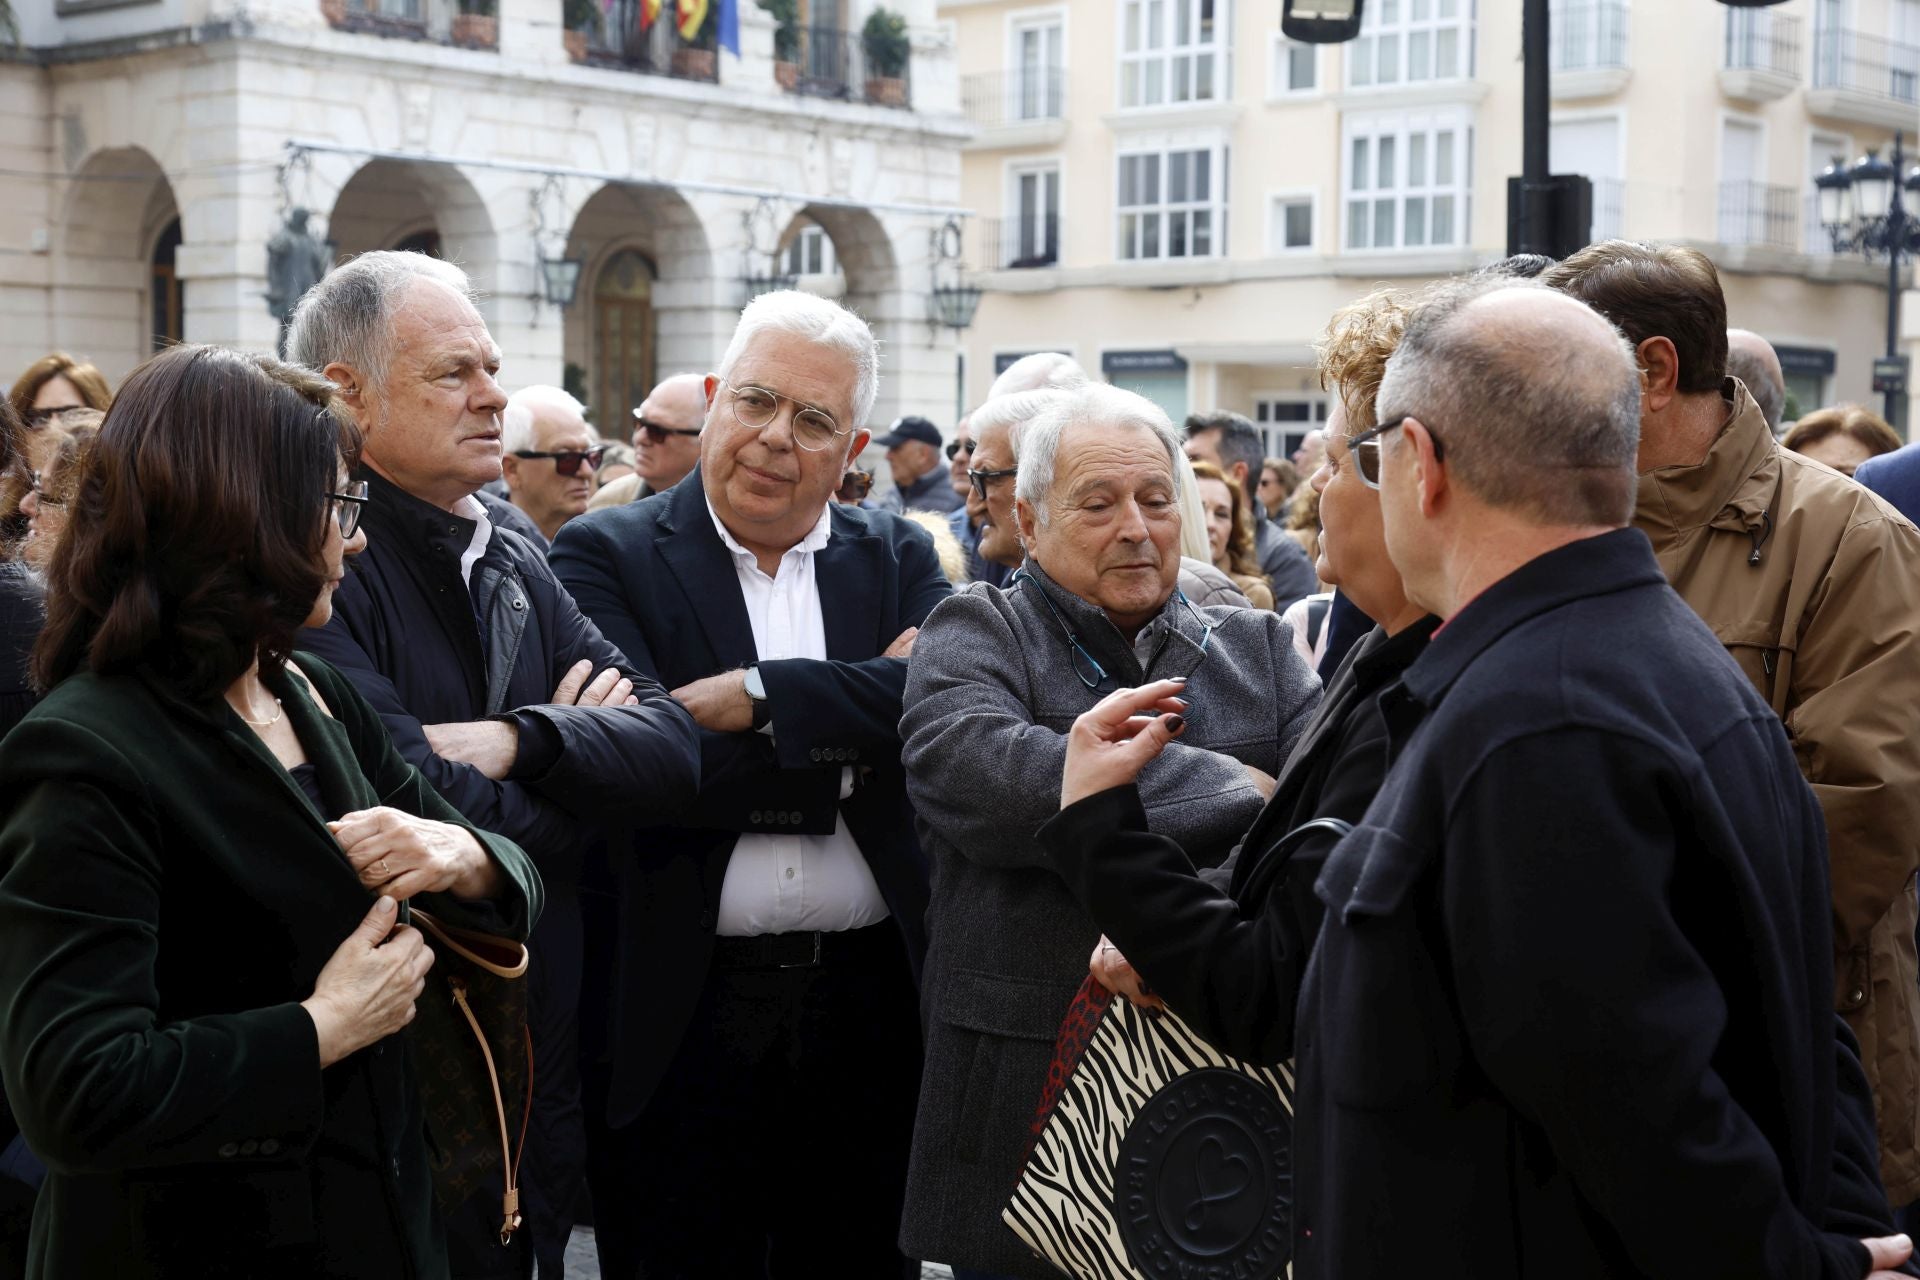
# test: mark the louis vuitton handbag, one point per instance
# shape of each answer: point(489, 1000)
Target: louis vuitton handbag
point(1154, 1154)
point(475, 1060)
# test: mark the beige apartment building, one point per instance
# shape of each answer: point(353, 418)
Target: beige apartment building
point(1177, 196)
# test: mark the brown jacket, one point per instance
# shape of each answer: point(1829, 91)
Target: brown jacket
point(1813, 584)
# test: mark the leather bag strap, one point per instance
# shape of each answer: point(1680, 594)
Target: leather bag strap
point(509, 1161)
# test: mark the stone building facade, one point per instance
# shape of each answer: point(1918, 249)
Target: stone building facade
point(157, 146)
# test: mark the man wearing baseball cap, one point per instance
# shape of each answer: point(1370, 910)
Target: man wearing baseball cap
point(920, 480)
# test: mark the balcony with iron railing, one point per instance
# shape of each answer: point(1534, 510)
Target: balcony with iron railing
point(1758, 215)
point(1591, 45)
point(611, 36)
point(1864, 78)
point(1017, 244)
point(1008, 105)
point(1760, 57)
point(823, 62)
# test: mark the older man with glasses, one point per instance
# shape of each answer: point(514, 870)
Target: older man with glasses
point(756, 1101)
point(997, 679)
point(548, 456)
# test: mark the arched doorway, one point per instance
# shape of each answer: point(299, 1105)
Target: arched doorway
point(163, 289)
point(426, 206)
point(642, 312)
point(623, 340)
point(115, 223)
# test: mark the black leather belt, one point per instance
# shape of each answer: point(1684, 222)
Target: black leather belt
point(771, 951)
point(803, 950)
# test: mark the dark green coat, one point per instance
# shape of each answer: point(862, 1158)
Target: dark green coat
point(167, 897)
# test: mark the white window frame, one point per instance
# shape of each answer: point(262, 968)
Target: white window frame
point(1280, 86)
point(1619, 116)
point(1319, 410)
point(1219, 157)
point(1364, 50)
point(1402, 126)
point(1168, 55)
point(1276, 247)
point(1012, 171)
point(1023, 20)
point(794, 255)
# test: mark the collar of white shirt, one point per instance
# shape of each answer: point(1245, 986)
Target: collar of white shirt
point(816, 537)
point(469, 508)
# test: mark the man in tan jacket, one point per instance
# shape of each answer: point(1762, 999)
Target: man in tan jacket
point(1813, 585)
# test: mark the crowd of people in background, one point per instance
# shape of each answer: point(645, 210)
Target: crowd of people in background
point(1532, 759)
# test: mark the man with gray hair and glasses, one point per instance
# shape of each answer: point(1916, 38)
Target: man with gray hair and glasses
point(998, 677)
point(753, 1104)
point(488, 678)
point(1567, 1013)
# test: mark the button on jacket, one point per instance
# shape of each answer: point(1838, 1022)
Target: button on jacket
point(1813, 585)
point(991, 694)
point(168, 894)
point(1568, 1012)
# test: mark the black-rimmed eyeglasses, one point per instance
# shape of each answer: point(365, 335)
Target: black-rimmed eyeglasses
point(567, 462)
point(659, 433)
point(347, 506)
point(756, 407)
point(957, 447)
point(981, 479)
point(36, 483)
point(1365, 449)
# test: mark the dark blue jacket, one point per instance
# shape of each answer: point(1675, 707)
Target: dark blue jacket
point(407, 632)
point(1896, 477)
point(661, 585)
point(1569, 1013)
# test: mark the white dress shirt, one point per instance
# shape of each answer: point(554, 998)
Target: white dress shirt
point(469, 508)
point(780, 883)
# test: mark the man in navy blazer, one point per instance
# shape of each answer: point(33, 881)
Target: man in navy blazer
point(752, 1105)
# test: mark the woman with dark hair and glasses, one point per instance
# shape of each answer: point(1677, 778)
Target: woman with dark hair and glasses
point(204, 849)
point(44, 491)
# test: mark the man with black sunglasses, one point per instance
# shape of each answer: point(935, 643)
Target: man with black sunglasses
point(548, 456)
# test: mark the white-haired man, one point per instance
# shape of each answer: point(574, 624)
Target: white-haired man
point(998, 677)
point(488, 678)
point(756, 1103)
point(548, 456)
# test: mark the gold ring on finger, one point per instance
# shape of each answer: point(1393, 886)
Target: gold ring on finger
point(380, 868)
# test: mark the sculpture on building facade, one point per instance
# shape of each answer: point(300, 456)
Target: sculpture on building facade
point(296, 259)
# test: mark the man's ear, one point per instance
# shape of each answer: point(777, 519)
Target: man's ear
point(1660, 373)
point(352, 386)
point(509, 468)
point(856, 447)
point(1238, 474)
point(1430, 478)
point(1023, 518)
point(712, 388)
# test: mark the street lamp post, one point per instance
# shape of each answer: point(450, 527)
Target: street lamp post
point(1861, 209)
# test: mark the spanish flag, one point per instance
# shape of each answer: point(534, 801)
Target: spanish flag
point(692, 15)
point(649, 11)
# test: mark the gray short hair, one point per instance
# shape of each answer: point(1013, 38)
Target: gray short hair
point(820, 321)
point(1555, 438)
point(1095, 404)
point(347, 318)
point(1041, 371)
point(1012, 412)
point(516, 420)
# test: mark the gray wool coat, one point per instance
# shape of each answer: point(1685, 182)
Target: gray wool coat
point(991, 694)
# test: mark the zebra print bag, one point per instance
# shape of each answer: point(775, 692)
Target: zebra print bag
point(1154, 1154)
